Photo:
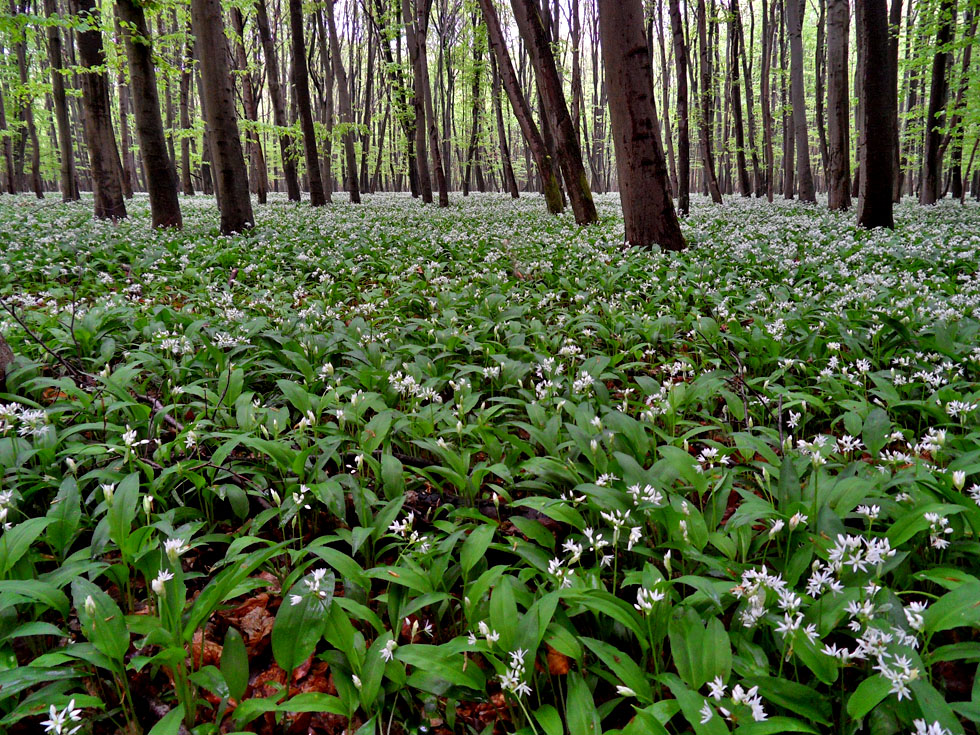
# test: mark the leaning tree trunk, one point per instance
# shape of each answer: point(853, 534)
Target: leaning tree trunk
point(644, 188)
point(931, 158)
point(522, 110)
point(794, 20)
point(278, 102)
point(683, 135)
point(838, 101)
point(69, 182)
point(103, 155)
point(538, 46)
point(301, 89)
point(346, 113)
point(707, 157)
point(160, 181)
point(877, 127)
point(231, 174)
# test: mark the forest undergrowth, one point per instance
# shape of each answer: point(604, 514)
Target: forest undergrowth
point(394, 469)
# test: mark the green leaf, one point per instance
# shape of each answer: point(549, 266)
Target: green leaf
point(65, 514)
point(867, 696)
point(475, 546)
point(877, 428)
point(583, 719)
point(15, 542)
point(101, 620)
point(298, 627)
point(234, 663)
point(961, 607)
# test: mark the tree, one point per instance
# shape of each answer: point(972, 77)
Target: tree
point(939, 91)
point(346, 111)
point(549, 85)
point(838, 101)
point(27, 107)
point(683, 136)
point(794, 20)
point(644, 188)
point(301, 89)
point(704, 69)
point(160, 180)
point(68, 180)
point(103, 155)
point(231, 176)
point(522, 110)
point(877, 126)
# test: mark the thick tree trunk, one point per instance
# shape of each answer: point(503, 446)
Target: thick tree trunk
point(707, 157)
point(231, 175)
point(103, 155)
point(644, 189)
point(683, 135)
point(278, 101)
point(794, 20)
point(301, 90)
point(68, 180)
point(549, 84)
point(877, 128)
point(346, 113)
point(509, 181)
point(838, 102)
point(522, 111)
point(931, 158)
point(160, 181)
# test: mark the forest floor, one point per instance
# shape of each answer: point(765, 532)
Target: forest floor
point(473, 470)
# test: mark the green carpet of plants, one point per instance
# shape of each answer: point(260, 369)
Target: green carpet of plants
point(393, 469)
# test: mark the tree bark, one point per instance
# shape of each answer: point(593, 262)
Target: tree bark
point(931, 158)
point(418, 100)
point(103, 155)
point(186, 182)
point(821, 66)
point(509, 181)
point(744, 185)
point(423, 8)
point(160, 181)
point(301, 91)
point(794, 19)
point(648, 210)
point(68, 180)
point(8, 148)
point(877, 128)
point(278, 101)
point(27, 111)
point(765, 93)
point(346, 113)
point(522, 111)
point(549, 84)
point(683, 135)
point(260, 177)
point(231, 175)
point(838, 102)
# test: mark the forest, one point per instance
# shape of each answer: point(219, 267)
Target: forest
point(493, 367)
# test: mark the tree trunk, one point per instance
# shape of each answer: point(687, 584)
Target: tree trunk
point(683, 135)
point(278, 101)
point(794, 19)
point(707, 157)
point(103, 155)
point(821, 65)
point(665, 91)
point(838, 102)
point(954, 128)
point(327, 104)
point(509, 181)
point(69, 183)
point(301, 91)
point(418, 100)
point(231, 175)
point(260, 177)
point(744, 185)
point(877, 127)
point(894, 31)
point(569, 153)
point(423, 8)
point(346, 113)
point(765, 92)
point(644, 189)
point(522, 111)
point(186, 183)
point(931, 158)
point(160, 181)
point(129, 178)
point(27, 111)
point(8, 148)
point(475, 132)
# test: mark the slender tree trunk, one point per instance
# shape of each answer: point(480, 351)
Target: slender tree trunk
point(794, 19)
point(260, 177)
point(327, 63)
point(644, 189)
point(744, 185)
point(103, 155)
point(665, 90)
point(130, 180)
point(418, 100)
point(877, 128)
point(278, 101)
point(894, 31)
point(69, 182)
point(707, 157)
point(231, 174)
point(301, 91)
point(160, 181)
point(931, 158)
point(509, 181)
point(477, 105)
point(186, 183)
point(765, 94)
point(821, 65)
point(423, 7)
point(346, 113)
point(27, 111)
point(954, 128)
point(522, 111)
point(789, 172)
point(569, 153)
point(683, 135)
point(8, 148)
point(838, 101)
